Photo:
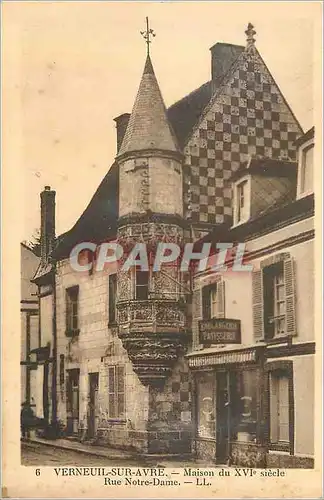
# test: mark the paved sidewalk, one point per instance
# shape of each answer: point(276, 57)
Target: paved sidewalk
point(132, 457)
point(89, 449)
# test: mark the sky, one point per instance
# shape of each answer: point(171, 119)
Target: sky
point(71, 67)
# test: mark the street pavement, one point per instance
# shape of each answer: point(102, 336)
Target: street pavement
point(39, 454)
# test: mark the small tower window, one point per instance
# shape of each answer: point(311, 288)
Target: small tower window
point(141, 285)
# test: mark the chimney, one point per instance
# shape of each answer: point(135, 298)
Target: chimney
point(121, 126)
point(47, 237)
point(222, 57)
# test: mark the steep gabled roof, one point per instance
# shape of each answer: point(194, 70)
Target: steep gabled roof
point(224, 81)
point(98, 221)
point(148, 127)
point(184, 114)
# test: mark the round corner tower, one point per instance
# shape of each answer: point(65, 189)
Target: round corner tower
point(151, 316)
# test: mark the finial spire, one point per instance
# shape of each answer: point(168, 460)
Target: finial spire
point(250, 32)
point(147, 35)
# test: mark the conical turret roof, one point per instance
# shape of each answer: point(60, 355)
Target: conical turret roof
point(149, 127)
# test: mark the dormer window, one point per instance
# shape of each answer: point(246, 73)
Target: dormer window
point(242, 202)
point(306, 180)
point(305, 145)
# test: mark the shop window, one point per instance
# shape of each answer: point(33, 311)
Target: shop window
point(206, 389)
point(141, 285)
point(116, 392)
point(112, 292)
point(72, 320)
point(273, 295)
point(281, 406)
point(243, 405)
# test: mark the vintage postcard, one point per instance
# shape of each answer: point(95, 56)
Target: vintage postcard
point(162, 258)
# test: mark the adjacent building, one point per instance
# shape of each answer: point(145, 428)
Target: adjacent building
point(253, 349)
point(120, 349)
point(29, 327)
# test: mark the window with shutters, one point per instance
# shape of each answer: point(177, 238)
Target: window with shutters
point(72, 306)
point(116, 392)
point(213, 300)
point(273, 295)
point(112, 298)
point(210, 305)
point(274, 301)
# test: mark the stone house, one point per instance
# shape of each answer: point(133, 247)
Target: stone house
point(29, 328)
point(117, 365)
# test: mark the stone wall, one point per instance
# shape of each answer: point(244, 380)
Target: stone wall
point(153, 183)
point(156, 420)
point(95, 349)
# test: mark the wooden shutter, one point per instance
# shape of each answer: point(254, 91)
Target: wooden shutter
point(68, 323)
point(111, 392)
point(268, 301)
point(257, 304)
point(120, 382)
point(289, 279)
point(196, 314)
point(112, 298)
point(221, 299)
point(206, 302)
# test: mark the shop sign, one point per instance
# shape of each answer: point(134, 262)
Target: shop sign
point(220, 331)
point(42, 353)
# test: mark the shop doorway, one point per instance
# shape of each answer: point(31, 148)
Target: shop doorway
point(236, 410)
point(222, 417)
point(72, 401)
point(93, 404)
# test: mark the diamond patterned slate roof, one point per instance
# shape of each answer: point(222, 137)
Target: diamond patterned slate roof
point(187, 122)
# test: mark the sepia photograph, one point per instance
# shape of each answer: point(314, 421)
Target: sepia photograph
point(169, 161)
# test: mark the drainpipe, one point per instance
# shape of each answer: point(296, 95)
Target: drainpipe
point(54, 354)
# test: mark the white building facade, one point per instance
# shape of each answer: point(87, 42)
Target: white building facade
point(253, 347)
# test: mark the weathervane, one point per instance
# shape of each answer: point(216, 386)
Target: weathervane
point(250, 32)
point(147, 36)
